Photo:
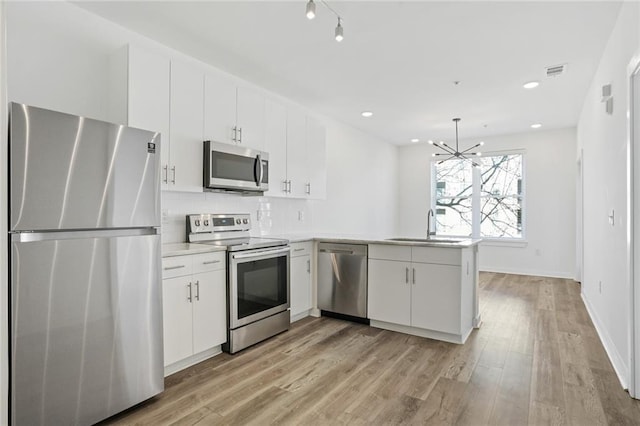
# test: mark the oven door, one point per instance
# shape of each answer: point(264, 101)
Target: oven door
point(229, 167)
point(258, 284)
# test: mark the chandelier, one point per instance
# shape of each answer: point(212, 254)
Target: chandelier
point(456, 153)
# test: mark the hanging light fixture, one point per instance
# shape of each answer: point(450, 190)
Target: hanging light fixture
point(311, 13)
point(339, 31)
point(311, 10)
point(456, 153)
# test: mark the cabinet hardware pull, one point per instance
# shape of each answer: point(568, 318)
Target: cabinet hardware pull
point(467, 268)
point(240, 140)
point(414, 276)
point(308, 266)
point(190, 299)
point(406, 275)
point(289, 186)
point(173, 179)
point(198, 290)
point(166, 173)
point(298, 249)
point(209, 262)
point(168, 268)
point(308, 188)
point(235, 134)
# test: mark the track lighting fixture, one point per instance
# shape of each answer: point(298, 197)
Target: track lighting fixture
point(311, 10)
point(311, 13)
point(339, 31)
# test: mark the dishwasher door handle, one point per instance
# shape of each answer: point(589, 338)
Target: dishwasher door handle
point(336, 251)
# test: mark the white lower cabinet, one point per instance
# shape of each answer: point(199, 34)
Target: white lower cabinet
point(429, 299)
point(194, 308)
point(300, 280)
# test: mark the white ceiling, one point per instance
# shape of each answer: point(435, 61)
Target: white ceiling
point(398, 59)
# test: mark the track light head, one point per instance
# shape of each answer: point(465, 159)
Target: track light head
point(339, 31)
point(311, 9)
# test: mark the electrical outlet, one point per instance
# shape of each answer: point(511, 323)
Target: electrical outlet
point(538, 252)
point(165, 216)
point(300, 215)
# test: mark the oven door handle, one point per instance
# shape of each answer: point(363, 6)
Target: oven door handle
point(261, 253)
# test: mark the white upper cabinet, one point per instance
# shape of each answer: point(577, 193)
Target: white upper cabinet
point(275, 143)
point(250, 118)
point(297, 153)
point(187, 91)
point(140, 95)
point(233, 114)
point(219, 109)
point(297, 175)
point(316, 160)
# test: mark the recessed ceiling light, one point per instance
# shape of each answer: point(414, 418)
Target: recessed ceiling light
point(414, 140)
point(536, 126)
point(531, 85)
point(367, 114)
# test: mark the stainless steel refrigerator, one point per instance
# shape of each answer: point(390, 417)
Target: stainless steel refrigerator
point(85, 294)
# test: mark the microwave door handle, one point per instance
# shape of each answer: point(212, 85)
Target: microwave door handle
point(260, 170)
point(256, 170)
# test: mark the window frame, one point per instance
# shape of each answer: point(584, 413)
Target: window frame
point(476, 197)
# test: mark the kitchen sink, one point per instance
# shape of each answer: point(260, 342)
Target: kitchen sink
point(430, 240)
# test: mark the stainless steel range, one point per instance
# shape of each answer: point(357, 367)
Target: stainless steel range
point(257, 277)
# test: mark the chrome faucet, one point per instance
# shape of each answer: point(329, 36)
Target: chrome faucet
point(429, 232)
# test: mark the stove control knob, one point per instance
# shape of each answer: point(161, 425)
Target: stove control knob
point(197, 222)
point(238, 221)
point(245, 221)
point(206, 222)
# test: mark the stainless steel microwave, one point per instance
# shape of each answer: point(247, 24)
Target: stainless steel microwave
point(236, 169)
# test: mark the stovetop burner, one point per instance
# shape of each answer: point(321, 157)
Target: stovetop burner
point(229, 230)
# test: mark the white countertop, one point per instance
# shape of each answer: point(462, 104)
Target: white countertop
point(370, 239)
point(181, 249)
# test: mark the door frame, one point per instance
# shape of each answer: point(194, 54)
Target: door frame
point(633, 222)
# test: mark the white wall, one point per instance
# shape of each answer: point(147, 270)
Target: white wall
point(603, 139)
point(550, 167)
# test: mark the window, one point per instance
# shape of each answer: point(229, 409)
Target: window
point(485, 201)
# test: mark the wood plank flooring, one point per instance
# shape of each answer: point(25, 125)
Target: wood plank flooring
point(536, 360)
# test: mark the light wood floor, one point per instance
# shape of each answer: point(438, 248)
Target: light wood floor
point(535, 360)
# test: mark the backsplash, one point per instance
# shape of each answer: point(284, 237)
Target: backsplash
point(269, 215)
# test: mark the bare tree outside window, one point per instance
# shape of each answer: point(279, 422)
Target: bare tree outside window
point(497, 195)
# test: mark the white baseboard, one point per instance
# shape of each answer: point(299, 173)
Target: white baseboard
point(192, 360)
point(315, 312)
point(300, 315)
point(421, 332)
point(619, 366)
point(533, 272)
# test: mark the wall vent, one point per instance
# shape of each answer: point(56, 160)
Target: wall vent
point(556, 70)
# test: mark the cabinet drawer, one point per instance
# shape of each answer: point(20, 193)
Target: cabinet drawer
point(390, 252)
point(209, 261)
point(301, 249)
point(176, 266)
point(441, 256)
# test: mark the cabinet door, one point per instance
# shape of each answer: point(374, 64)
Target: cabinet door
point(389, 292)
point(219, 108)
point(185, 173)
point(209, 310)
point(177, 320)
point(250, 118)
point(276, 146)
point(148, 98)
point(300, 280)
point(435, 298)
point(316, 160)
point(297, 152)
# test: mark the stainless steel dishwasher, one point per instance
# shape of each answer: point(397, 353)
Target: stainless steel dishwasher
point(342, 280)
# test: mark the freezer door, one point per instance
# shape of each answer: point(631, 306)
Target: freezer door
point(69, 172)
point(86, 328)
